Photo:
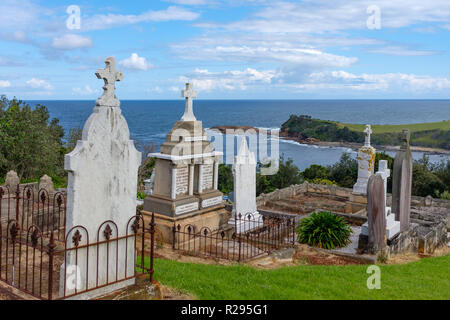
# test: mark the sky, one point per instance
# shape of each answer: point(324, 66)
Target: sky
point(235, 49)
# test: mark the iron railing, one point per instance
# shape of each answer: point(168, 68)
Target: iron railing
point(250, 237)
point(39, 258)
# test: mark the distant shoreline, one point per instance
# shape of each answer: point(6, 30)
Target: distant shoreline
point(315, 142)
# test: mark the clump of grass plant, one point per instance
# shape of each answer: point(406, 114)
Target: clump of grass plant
point(324, 230)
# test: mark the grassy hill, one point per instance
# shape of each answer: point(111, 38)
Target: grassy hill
point(432, 135)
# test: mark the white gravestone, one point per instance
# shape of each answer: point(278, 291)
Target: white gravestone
point(366, 163)
point(244, 170)
point(392, 226)
point(102, 186)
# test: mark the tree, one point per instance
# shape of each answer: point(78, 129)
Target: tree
point(315, 171)
point(344, 172)
point(287, 175)
point(30, 142)
point(226, 182)
point(425, 182)
point(73, 136)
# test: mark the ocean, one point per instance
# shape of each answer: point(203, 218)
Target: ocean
point(151, 120)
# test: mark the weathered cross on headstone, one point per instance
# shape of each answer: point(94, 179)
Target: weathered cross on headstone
point(189, 94)
point(110, 75)
point(385, 173)
point(406, 136)
point(368, 132)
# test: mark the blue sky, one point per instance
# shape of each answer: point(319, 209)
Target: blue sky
point(236, 49)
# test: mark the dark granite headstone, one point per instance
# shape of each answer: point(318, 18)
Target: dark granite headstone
point(402, 182)
point(376, 213)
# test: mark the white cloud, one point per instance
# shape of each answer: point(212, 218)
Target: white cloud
point(134, 62)
point(101, 21)
point(5, 84)
point(39, 84)
point(205, 80)
point(71, 42)
point(85, 91)
point(394, 82)
point(188, 2)
point(402, 51)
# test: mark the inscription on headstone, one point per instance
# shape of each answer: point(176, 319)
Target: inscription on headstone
point(182, 180)
point(207, 177)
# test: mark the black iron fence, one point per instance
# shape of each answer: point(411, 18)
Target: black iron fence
point(38, 256)
point(250, 236)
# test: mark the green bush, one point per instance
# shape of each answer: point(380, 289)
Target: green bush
point(324, 230)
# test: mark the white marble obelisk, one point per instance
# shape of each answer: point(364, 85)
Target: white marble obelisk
point(244, 171)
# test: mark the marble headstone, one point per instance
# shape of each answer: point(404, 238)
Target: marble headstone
point(402, 183)
point(366, 163)
point(376, 215)
point(102, 185)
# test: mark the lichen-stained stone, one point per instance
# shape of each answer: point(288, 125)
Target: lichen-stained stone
point(102, 186)
point(402, 183)
point(12, 181)
point(376, 213)
point(46, 183)
point(366, 164)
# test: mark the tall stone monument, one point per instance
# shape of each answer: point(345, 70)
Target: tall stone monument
point(366, 163)
point(186, 174)
point(244, 171)
point(376, 216)
point(402, 183)
point(102, 186)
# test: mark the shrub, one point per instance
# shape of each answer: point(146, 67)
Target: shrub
point(324, 230)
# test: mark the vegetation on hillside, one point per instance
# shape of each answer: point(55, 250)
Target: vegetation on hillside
point(433, 135)
point(428, 178)
point(287, 175)
point(30, 142)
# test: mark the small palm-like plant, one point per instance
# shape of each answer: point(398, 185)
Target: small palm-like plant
point(324, 230)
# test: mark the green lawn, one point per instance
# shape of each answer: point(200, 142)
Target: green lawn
point(425, 279)
point(443, 125)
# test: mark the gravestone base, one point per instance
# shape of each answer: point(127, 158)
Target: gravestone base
point(169, 207)
point(392, 227)
point(243, 226)
point(210, 199)
point(97, 293)
point(214, 218)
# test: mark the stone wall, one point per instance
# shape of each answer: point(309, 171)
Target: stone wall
point(345, 193)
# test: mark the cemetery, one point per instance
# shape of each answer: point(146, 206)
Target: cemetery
point(91, 240)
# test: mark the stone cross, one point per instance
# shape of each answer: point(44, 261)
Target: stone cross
point(368, 132)
point(376, 216)
point(385, 173)
point(189, 94)
point(110, 75)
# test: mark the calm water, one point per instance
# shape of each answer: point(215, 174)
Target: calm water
point(150, 121)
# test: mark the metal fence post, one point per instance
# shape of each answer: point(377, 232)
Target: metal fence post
point(17, 203)
point(51, 249)
point(152, 243)
point(293, 232)
point(174, 230)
